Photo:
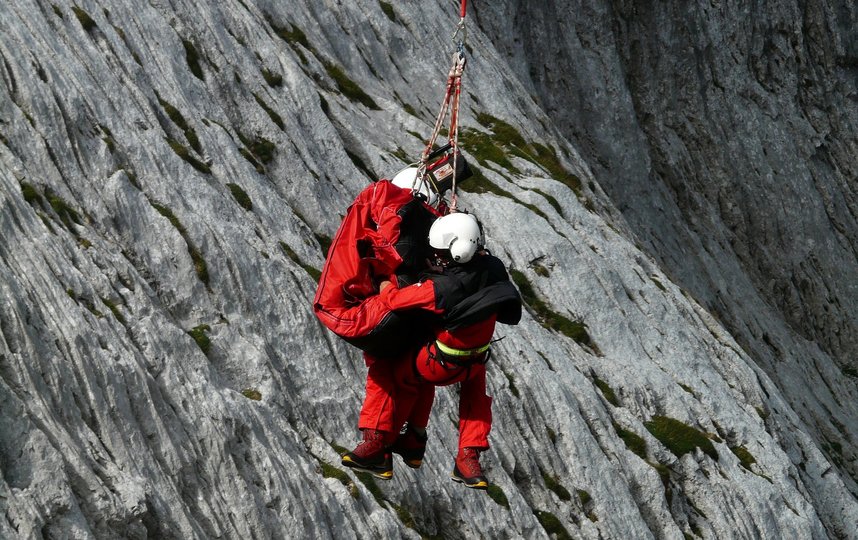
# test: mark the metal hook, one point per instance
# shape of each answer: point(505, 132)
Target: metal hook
point(461, 29)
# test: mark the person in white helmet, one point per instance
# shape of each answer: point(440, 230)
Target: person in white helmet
point(471, 290)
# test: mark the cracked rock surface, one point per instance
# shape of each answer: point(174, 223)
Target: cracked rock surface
point(673, 188)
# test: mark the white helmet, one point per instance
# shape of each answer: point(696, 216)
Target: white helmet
point(406, 179)
point(460, 233)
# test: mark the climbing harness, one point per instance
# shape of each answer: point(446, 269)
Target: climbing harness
point(447, 162)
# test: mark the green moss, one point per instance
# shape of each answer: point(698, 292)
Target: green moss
point(658, 283)
point(271, 112)
point(547, 158)
point(504, 141)
point(177, 118)
point(680, 438)
point(496, 494)
point(240, 196)
point(850, 371)
point(183, 152)
point(57, 11)
point(551, 200)
point(607, 391)
point(84, 19)
point(361, 165)
point(405, 516)
point(292, 35)
point(252, 159)
point(202, 340)
point(273, 79)
point(200, 266)
point(387, 8)
point(314, 273)
point(90, 305)
point(552, 525)
point(32, 195)
point(576, 330)
point(329, 471)
point(64, 210)
point(633, 441)
point(586, 501)
point(483, 147)
point(504, 133)
point(107, 137)
point(261, 148)
point(402, 155)
point(687, 388)
point(252, 394)
point(111, 305)
point(746, 459)
point(511, 380)
point(324, 243)
point(554, 485)
point(371, 485)
point(552, 436)
point(348, 87)
point(192, 57)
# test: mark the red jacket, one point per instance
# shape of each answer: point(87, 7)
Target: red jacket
point(364, 251)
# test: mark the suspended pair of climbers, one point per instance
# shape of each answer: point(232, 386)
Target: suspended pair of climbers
point(408, 280)
point(413, 286)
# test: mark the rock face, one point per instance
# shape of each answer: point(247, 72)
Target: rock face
point(672, 186)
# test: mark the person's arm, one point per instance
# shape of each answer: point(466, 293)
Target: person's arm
point(418, 296)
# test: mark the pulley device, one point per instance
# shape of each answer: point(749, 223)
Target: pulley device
point(442, 166)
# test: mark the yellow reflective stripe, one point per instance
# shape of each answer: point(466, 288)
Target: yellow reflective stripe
point(460, 352)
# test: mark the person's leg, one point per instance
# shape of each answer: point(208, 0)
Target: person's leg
point(378, 407)
point(414, 399)
point(475, 423)
point(475, 411)
point(372, 454)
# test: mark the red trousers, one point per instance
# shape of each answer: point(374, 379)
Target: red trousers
point(403, 389)
point(415, 390)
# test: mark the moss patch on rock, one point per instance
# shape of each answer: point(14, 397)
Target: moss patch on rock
point(198, 333)
point(548, 318)
point(348, 87)
point(680, 438)
point(240, 196)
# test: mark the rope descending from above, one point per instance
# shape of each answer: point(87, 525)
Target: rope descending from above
point(450, 104)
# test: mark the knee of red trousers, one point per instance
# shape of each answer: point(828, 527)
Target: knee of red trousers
point(434, 372)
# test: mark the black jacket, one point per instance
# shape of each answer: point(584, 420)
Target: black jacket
point(471, 292)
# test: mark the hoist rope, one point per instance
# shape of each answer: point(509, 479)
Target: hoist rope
point(450, 104)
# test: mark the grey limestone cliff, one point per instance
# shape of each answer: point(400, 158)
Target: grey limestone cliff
point(673, 187)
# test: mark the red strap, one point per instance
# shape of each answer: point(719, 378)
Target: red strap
point(464, 7)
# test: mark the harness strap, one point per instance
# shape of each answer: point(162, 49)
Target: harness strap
point(460, 353)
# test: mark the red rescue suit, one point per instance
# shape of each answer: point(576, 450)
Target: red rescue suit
point(416, 381)
point(472, 297)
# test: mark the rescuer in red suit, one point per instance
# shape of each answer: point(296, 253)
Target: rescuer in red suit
point(471, 291)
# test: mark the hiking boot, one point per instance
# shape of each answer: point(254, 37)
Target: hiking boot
point(371, 455)
point(411, 446)
point(468, 471)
